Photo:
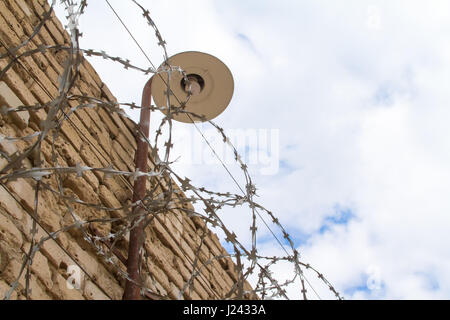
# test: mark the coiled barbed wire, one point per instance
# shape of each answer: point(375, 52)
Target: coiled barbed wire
point(164, 195)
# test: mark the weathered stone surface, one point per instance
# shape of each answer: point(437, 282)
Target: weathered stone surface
point(10, 274)
point(3, 162)
point(8, 146)
point(17, 84)
point(108, 283)
point(5, 253)
point(55, 254)
point(22, 4)
point(159, 275)
point(40, 266)
point(89, 263)
point(72, 158)
point(109, 200)
point(4, 288)
point(38, 292)
point(24, 191)
point(92, 292)
point(62, 291)
point(81, 188)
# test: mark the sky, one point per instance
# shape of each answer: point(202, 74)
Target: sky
point(349, 108)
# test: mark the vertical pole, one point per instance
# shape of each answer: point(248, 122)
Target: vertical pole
point(133, 291)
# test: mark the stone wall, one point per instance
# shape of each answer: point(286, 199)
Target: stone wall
point(95, 138)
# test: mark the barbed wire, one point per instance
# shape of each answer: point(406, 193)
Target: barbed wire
point(47, 174)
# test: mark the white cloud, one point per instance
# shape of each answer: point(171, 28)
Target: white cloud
point(362, 105)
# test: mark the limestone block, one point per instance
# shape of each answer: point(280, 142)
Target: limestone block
point(160, 289)
point(40, 267)
point(56, 255)
point(37, 290)
point(4, 258)
point(186, 248)
point(201, 291)
point(111, 127)
point(89, 263)
point(81, 188)
point(10, 274)
point(24, 191)
point(123, 154)
point(15, 81)
point(172, 226)
point(10, 204)
point(159, 275)
point(9, 232)
point(8, 146)
point(55, 32)
point(174, 292)
point(168, 240)
point(194, 296)
point(109, 200)
point(23, 5)
point(181, 268)
point(3, 162)
point(108, 283)
point(11, 271)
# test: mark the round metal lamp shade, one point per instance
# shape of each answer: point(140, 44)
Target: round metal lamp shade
point(211, 82)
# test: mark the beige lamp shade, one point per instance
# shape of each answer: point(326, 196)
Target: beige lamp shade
point(211, 84)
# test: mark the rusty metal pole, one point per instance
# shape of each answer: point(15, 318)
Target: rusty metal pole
point(133, 291)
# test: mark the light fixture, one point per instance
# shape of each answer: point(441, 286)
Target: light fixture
point(211, 83)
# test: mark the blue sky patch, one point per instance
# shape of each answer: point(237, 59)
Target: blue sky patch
point(286, 167)
point(384, 96)
point(341, 216)
point(364, 287)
